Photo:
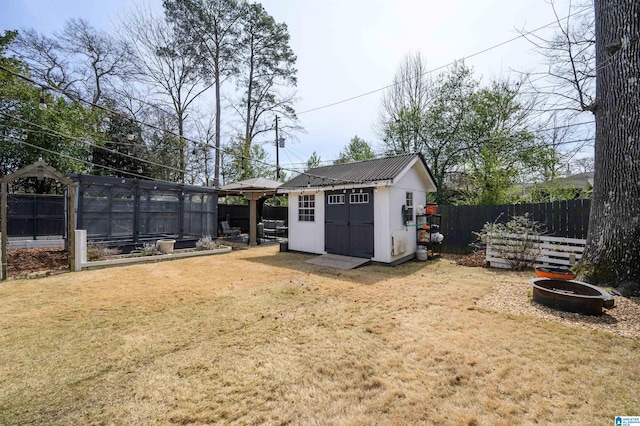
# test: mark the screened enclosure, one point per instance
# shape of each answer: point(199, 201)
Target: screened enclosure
point(35, 216)
point(131, 210)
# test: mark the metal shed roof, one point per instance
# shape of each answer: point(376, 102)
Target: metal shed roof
point(377, 169)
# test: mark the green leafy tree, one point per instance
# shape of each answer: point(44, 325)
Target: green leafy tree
point(121, 148)
point(357, 150)
point(241, 164)
point(501, 146)
point(420, 115)
point(446, 122)
point(313, 161)
point(55, 134)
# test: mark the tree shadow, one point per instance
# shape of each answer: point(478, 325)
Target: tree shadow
point(368, 274)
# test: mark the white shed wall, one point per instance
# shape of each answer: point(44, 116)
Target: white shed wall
point(409, 182)
point(381, 227)
point(306, 236)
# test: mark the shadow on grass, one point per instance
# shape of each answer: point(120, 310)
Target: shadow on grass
point(367, 274)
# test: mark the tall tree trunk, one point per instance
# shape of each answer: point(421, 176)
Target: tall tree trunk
point(183, 142)
point(216, 172)
point(612, 255)
point(247, 131)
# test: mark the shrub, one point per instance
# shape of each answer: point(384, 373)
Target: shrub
point(97, 252)
point(516, 240)
point(150, 249)
point(207, 243)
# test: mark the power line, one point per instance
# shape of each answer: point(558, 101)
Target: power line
point(480, 52)
point(52, 132)
point(244, 157)
point(69, 157)
point(77, 98)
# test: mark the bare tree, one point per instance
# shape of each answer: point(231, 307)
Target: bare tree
point(399, 122)
point(594, 63)
point(81, 60)
point(568, 83)
point(100, 58)
point(202, 154)
point(46, 58)
point(165, 62)
point(213, 26)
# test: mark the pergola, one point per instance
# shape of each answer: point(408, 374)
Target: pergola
point(38, 170)
point(252, 189)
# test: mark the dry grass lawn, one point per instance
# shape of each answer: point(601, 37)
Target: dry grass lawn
point(260, 337)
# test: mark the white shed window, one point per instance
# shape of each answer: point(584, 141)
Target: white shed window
point(336, 199)
point(306, 208)
point(359, 198)
point(409, 204)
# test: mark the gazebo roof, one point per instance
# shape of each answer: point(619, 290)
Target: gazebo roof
point(258, 184)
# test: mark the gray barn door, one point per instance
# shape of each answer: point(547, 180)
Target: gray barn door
point(349, 223)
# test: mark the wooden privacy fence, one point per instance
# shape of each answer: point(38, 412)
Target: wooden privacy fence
point(568, 219)
point(544, 250)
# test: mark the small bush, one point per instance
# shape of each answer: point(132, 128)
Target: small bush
point(207, 243)
point(520, 253)
point(150, 249)
point(97, 252)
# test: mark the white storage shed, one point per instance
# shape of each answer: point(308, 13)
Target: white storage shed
point(364, 209)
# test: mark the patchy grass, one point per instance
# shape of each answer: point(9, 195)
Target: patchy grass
point(257, 336)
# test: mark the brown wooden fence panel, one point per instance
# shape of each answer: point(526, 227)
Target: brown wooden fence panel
point(561, 219)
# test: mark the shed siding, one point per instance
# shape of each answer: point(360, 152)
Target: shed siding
point(409, 182)
point(382, 238)
point(306, 236)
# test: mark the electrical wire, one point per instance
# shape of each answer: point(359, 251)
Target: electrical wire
point(69, 157)
point(441, 67)
point(52, 132)
point(79, 99)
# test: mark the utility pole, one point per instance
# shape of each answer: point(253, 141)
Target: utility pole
point(279, 144)
point(277, 152)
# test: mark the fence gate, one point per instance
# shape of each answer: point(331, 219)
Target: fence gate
point(38, 170)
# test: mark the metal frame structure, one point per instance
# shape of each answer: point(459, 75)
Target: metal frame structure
point(118, 210)
point(38, 170)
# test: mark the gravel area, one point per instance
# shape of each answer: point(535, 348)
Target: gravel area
point(514, 298)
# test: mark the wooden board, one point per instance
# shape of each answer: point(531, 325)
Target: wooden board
point(549, 251)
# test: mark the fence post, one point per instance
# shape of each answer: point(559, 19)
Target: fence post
point(2, 268)
point(3, 230)
point(80, 249)
point(34, 212)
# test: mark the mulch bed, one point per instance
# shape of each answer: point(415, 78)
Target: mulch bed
point(473, 259)
point(24, 262)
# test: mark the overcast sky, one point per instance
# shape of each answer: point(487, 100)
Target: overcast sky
point(346, 48)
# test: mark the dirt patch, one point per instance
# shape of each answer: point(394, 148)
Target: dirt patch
point(35, 262)
point(26, 262)
point(474, 259)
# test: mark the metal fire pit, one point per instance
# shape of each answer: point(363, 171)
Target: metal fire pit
point(571, 296)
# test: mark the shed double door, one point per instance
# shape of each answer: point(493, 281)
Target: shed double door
point(349, 223)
